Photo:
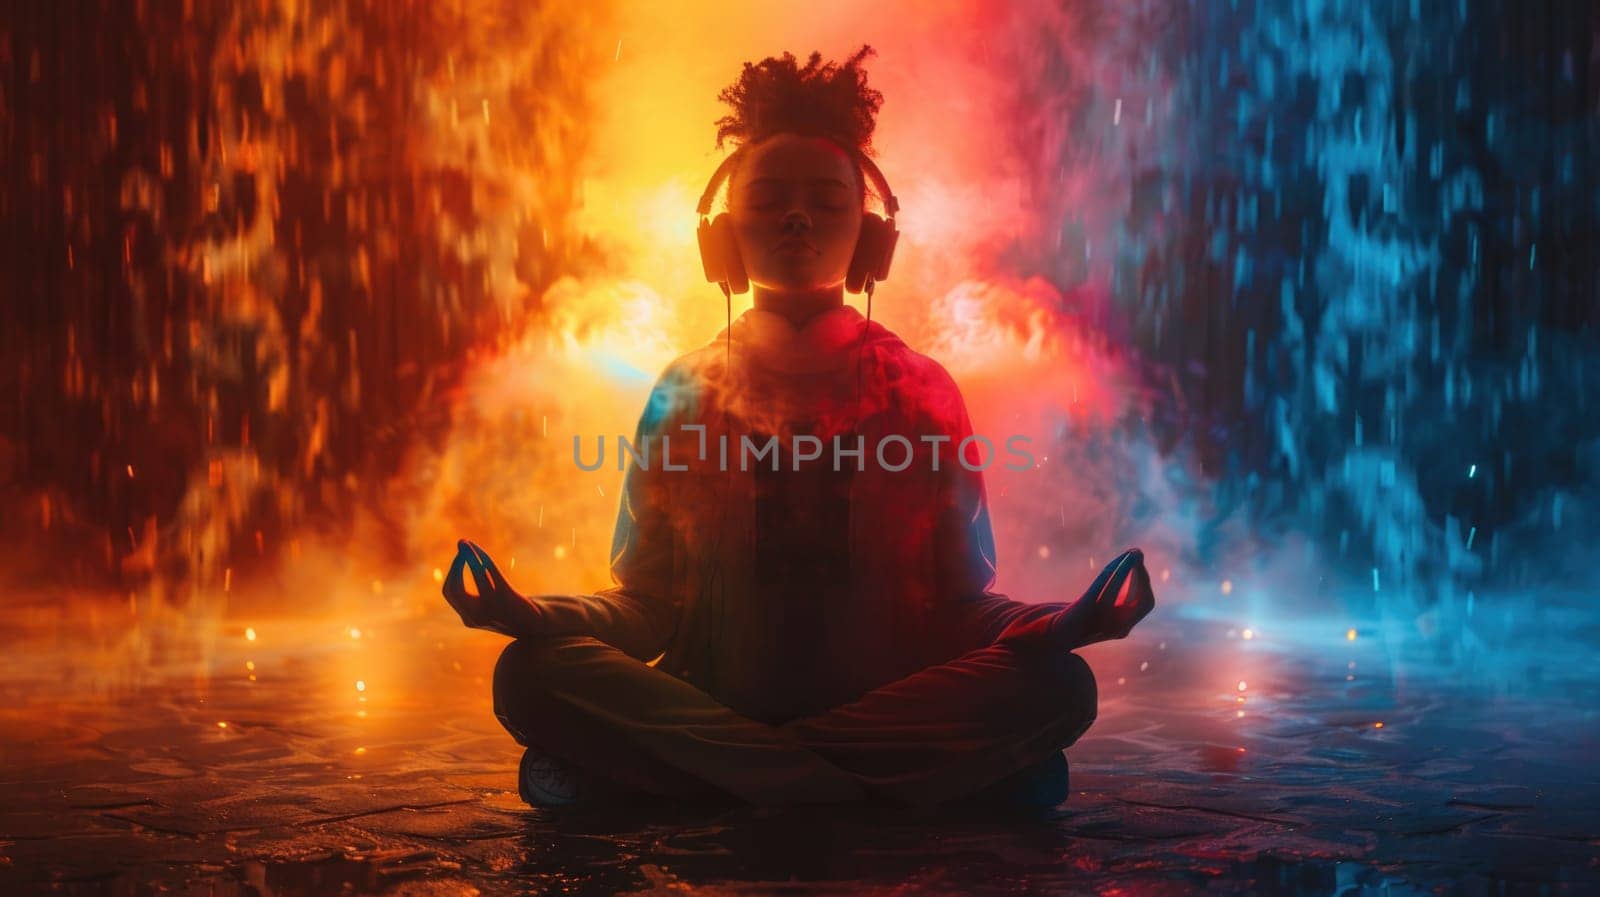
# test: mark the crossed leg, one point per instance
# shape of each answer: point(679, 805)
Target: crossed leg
point(951, 730)
point(942, 733)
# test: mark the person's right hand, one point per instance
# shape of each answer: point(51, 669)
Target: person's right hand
point(497, 607)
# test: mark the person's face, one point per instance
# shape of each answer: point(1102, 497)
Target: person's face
point(796, 208)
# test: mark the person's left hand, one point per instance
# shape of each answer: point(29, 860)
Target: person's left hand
point(1113, 604)
point(1122, 596)
point(497, 607)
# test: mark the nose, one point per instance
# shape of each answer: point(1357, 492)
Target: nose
point(796, 222)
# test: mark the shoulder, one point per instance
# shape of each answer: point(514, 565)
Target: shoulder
point(919, 383)
point(684, 389)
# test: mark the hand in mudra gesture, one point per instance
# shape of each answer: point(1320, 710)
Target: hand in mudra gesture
point(1121, 596)
point(496, 607)
point(1113, 604)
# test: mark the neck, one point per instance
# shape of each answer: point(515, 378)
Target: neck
point(799, 306)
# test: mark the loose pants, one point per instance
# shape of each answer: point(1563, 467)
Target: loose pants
point(943, 733)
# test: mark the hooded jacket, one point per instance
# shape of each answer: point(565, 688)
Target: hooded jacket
point(783, 592)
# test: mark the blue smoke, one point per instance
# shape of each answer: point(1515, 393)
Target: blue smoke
point(1363, 236)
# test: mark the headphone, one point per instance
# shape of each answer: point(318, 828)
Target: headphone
point(869, 263)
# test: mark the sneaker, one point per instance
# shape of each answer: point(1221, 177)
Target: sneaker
point(1038, 788)
point(544, 781)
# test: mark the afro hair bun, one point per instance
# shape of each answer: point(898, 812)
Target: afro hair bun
point(777, 95)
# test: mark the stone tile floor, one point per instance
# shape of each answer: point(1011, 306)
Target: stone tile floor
point(368, 762)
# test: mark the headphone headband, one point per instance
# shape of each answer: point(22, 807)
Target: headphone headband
point(890, 204)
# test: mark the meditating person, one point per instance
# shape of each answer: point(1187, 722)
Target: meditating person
point(803, 553)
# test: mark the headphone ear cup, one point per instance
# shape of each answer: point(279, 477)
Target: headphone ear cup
point(889, 237)
point(874, 250)
point(710, 259)
point(719, 254)
point(738, 279)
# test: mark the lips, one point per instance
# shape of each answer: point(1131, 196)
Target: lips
point(795, 245)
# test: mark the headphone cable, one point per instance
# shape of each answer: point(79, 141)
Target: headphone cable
point(861, 343)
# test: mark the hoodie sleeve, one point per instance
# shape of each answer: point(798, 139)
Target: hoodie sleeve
point(965, 547)
point(638, 614)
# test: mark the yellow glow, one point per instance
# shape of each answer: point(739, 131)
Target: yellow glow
point(1241, 685)
point(361, 685)
point(1350, 635)
point(249, 634)
point(1227, 587)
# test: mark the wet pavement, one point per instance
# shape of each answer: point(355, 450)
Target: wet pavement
point(320, 757)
